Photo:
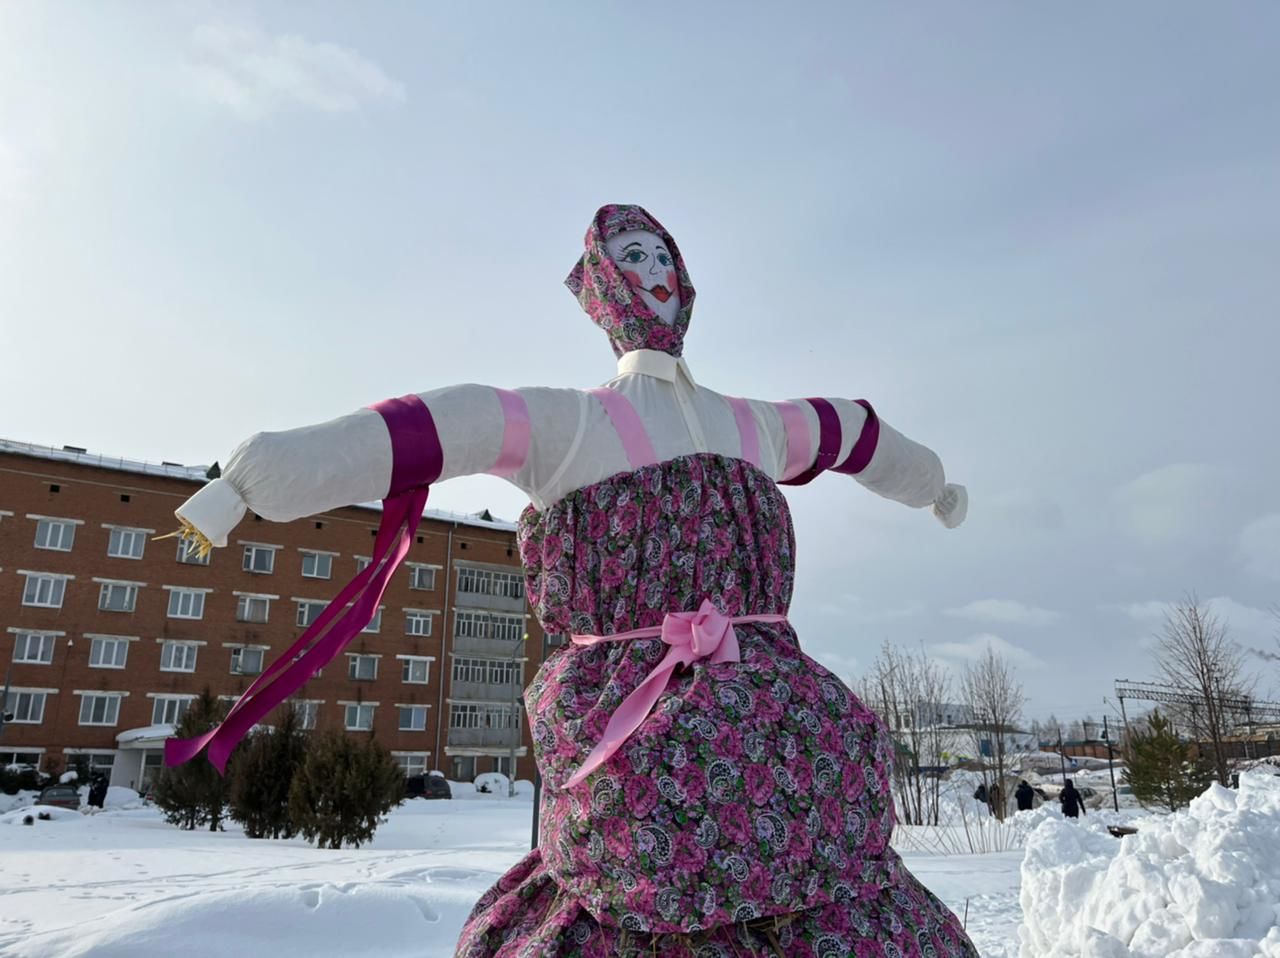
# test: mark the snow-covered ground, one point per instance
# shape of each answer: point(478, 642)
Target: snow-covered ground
point(123, 884)
point(1203, 883)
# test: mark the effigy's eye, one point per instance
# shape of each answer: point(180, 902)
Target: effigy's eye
point(664, 259)
point(634, 256)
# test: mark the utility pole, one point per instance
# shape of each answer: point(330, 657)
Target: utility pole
point(1111, 763)
point(1062, 755)
point(5, 716)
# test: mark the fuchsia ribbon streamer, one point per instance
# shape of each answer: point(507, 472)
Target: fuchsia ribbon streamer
point(693, 636)
point(417, 460)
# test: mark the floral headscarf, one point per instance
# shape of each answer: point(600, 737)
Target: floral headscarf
point(608, 298)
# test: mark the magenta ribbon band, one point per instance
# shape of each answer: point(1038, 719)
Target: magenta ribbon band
point(830, 438)
point(417, 460)
point(692, 636)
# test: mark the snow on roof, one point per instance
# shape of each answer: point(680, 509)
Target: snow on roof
point(173, 470)
point(144, 734)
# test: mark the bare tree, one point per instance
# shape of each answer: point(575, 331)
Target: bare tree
point(907, 690)
point(1196, 656)
point(996, 698)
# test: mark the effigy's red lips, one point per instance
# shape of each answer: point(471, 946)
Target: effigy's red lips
point(660, 293)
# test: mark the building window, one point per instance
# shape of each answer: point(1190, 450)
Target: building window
point(317, 565)
point(108, 653)
point(33, 648)
point(127, 543)
point(375, 624)
point(44, 591)
point(178, 656)
point(308, 611)
point(413, 718)
point(259, 559)
point(307, 710)
point(415, 670)
point(359, 717)
point(469, 670)
point(245, 661)
point(505, 672)
point(362, 668)
point(253, 608)
point(186, 603)
point(507, 585)
point(469, 715)
point(169, 709)
point(26, 707)
point(487, 625)
point(118, 597)
point(411, 763)
point(57, 535)
point(189, 553)
point(422, 577)
point(417, 623)
point(99, 709)
point(362, 563)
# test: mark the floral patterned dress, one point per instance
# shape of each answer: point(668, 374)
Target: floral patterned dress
point(750, 813)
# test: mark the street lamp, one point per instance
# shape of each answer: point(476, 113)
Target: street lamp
point(515, 714)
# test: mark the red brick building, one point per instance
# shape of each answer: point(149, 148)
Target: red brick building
point(107, 634)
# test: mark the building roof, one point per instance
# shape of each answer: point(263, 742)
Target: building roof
point(173, 470)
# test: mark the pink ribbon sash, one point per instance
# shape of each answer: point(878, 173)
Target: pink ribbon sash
point(417, 459)
point(692, 636)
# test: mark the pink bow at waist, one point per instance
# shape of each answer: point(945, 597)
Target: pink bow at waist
point(693, 636)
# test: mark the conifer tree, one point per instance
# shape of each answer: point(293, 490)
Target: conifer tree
point(1161, 770)
point(194, 793)
point(262, 774)
point(343, 790)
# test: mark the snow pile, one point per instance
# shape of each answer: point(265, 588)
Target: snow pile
point(39, 813)
point(66, 778)
point(1202, 883)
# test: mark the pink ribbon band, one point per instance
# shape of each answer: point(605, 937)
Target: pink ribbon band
point(515, 433)
point(692, 636)
point(417, 460)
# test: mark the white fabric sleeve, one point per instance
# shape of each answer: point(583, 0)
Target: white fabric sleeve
point(285, 475)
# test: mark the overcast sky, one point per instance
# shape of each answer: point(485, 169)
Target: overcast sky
point(1041, 239)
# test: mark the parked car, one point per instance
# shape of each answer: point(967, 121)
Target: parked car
point(60, 796)
point(426, 786)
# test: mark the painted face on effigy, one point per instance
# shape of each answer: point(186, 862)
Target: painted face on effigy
point(647, 264)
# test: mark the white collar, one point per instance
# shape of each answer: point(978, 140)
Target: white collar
point(655, 363)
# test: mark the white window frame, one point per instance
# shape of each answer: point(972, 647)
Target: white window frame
point(480, 624)
point(188, 553)
point(413, 619)
point(244, 602)
point(308, 611)
point(46, 642)
point(362, 563)
point(308, 712)
point(111, 713)
point(118, 656)
point(108, 588)
point(194, 597)
point(407, 667)
point(319, 560)
point(127, 542)
point(506, 585)
point(35, 702)
point(163, 702)
point(253, 551)
point(65, 539)
point(409, 762)
point(415, 710)
point(169, 648)
point(491, 715)
point(238, 653)
point(361, 709)
point(375, 624)
point(355, 661)
point(53, 584)
point(420, 570)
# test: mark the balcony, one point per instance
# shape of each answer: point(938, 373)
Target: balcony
point(505, 692)
point(487, 648)
point(484, 738)
point(488, 602)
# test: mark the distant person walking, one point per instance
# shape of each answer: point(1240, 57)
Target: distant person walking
point(1072, 801)
point(1024, 794)
point(995, 796)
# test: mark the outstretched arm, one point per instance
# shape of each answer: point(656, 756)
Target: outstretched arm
point(285, 475)
point(809, 436)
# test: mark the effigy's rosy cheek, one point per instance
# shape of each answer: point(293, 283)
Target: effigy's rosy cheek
point(633, 278)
